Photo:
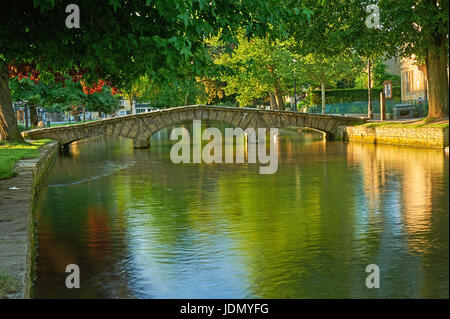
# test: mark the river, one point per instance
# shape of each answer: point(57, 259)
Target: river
point(140, 226)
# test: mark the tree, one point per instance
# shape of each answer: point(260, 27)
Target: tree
point(118, 40)
point(257, 68)
point(137, 90)
point(379, 76)
point(175, 93)
point(72, 96)
point(421, 29)
point(63, 96)
point(326, 70)
point(104, 101)
point(400, 28)
point(30, 94)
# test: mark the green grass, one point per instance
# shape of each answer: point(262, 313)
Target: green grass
point(8, 285)
point(398, 124)
point(11, 153)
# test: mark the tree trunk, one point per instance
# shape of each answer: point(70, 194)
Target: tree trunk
point(131, 106)
point(33, 116)
point(323, 98)
point(272, 101)
point(279, 98)
point(369, 89)
point(9, 129)
point(26, 113)
point(437, 78)
point(84, 113)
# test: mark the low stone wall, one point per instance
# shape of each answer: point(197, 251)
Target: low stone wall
point(436, 137)
point(17, 232)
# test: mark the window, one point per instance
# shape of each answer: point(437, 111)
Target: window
point(410, 81)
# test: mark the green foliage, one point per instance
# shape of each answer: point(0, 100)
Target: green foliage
point(104, 101)
point(407, 27)
point(122, 40)
point(350, 95)
point(379, 75)
point(163, 94)
point(325, 69)
point(256, 68)
point(309, 98)
point(59, 98)
point(26, 90)
point(138, 90)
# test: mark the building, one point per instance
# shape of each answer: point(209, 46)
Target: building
point(393, 66)
point(126, 108)
point(413, 80)
point(144, 107)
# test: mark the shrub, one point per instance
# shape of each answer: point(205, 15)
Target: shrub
point(350, 95)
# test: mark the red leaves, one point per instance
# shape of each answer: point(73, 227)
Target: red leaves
point(28, 70)
point(94, 88)
point(24, 70)
point(77, 74)
point(98, 87)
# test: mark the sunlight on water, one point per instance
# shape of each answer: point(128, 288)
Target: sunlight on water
point(140, 226)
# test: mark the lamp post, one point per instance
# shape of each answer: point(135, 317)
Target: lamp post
point(295, 88)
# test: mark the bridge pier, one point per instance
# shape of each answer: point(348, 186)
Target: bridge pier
point(141, 142)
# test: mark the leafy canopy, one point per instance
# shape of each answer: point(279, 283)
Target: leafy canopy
point(121, 40)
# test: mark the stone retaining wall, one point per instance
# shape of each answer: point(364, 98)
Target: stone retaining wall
point(17, 220)
point(436, 137)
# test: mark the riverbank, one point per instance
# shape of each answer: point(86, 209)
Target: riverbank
point(11, 153)
point(17, 240)
point(417, 133)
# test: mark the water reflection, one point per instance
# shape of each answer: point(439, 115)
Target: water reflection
point(152, 229)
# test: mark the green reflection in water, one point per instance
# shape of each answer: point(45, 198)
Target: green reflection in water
point(141, 226)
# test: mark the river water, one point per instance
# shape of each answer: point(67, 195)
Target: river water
point(139, 226)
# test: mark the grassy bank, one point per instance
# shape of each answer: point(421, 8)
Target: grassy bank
point(11, 153)
point(421, 123)
point(8, 285)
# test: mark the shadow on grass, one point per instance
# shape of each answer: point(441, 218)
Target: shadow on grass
point(11, 153)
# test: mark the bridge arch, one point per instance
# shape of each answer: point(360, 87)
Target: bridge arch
point(140, 127)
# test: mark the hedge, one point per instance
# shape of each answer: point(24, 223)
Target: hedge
point(350, 95)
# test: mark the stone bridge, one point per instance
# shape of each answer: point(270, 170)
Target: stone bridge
point(140, 127)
